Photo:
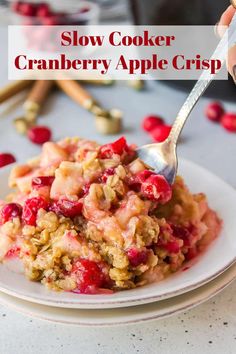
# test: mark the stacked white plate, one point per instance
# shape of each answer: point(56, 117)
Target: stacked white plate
point(210, 273)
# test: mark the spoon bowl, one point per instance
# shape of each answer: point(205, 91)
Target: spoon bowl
point(161, 157)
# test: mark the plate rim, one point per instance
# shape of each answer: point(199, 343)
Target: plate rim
point(115, 303)
point(198, 296)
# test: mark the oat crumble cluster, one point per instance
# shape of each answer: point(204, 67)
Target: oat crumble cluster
point(94, 219)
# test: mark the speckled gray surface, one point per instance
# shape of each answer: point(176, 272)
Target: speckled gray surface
point(209, 328)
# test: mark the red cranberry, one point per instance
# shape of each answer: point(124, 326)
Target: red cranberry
point(192, 253)
point(228, 121)
point(66, 207)
point(137, 257)
point(39, 134)
point(43, 10)
point(183, 233)
point(118, 147)
point(108, 172)
point(172, 247)
point(13, 252)
point(151, 122)
point(135, 181)
point(10, 211)
point(27, 9)
point(31, 208)
point(6, 159)
point(89, 276)
point(214, 111)
point(85, 190)
point(156, 188)
point(42, 181)
point(161, 133)
point(143, 175)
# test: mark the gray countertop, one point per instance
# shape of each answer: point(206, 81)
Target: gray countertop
point(211, 327)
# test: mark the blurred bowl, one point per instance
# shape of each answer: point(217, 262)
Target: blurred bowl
point(69, 13)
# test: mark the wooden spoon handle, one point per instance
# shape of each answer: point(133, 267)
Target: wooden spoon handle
point(75, 91)
point(13, 88)
point(37, 95)
point(39, 91)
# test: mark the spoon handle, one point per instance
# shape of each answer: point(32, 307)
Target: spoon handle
point(228, 39)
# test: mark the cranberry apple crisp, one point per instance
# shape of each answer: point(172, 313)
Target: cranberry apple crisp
point(94, 219)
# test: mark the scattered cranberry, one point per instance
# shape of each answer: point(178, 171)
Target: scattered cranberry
point(43, 10)
point(108, 172)
point(156, 188)
point(6, 159)
point(66, 207)
point(42, 181)
point(161, 133)
point(89, 276)
point(151, 122)
point(39, 134)
point(31, 208)
point(118, 147)
point(228, 121)
point(137, 257)
point(10, 211)
point(214, 111)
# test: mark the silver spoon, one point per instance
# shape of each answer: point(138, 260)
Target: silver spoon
point(162, 157)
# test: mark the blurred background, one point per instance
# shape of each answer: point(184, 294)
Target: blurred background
point(139, 12)
point(162, 12)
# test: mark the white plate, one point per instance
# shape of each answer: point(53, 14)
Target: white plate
point(121, 316)
point(219, 256)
